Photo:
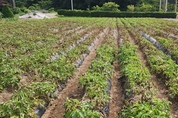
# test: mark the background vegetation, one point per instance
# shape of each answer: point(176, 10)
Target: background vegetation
point(124, 5)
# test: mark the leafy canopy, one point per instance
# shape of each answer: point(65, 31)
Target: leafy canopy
point(108, 6)
point(6, 11)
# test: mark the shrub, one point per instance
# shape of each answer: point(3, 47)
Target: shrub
point(31, 8)
point(6, 11)
point(115, 14)
point(109, 6)
point(130, 8)
point(34, 13)
point(74, 13)
point(51, 10)
point(25, 10)
point(0, 15)
point(96, 8)
point(35, 7)
point(16, 10)
point(145, 8)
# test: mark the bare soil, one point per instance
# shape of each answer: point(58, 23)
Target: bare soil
point(56, 107)
point(116, 93)
point(51, 15)
point(171, 19)
point(174, 107)
point(39, 15)
point(5, 95)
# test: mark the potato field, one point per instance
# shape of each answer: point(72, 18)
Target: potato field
point(72, 67)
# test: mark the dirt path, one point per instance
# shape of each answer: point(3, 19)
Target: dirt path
point(116, 93)
point(56, 107)
point(171, 19)
point(174, 107)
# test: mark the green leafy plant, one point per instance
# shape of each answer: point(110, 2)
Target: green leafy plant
point(138, 82)
point(25, 99)
point(130, 8)
point(160, 63)
point(95, 84)
point(1, 15)
point(109, 6)
point(6, 11)
point(133, 68)
point(77, 109)
point(153, 108)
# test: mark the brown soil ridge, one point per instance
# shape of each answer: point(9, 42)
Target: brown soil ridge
point(56, 107)
point(174, 107)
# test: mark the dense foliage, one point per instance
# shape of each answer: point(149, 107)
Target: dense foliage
point(6, 11)
point(150, 5)
point(109, 6)
point(38, 57)
point(47, 52)
point(100, 13)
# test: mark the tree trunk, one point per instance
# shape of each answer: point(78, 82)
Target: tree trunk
point(165, 10)
point(72, 6)
point(175, 5)
point(13, 3)
point(160, 2)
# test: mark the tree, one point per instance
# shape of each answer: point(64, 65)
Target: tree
point(72, 6)
point(88, 3)
point(44, 4)
point(165, 9)
point(6, 11)
point(96, 8)
point(109, 6)
point(160, 2)
point(130, 8)
point(2, 2)
point(145, 7)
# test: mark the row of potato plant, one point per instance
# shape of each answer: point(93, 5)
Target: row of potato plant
point(57, 70)
point(95, 85)
point(139, 93)
point(35, 33)
point(13, 64)
point(164, 40)
point(25, 44)
point(159, 63)
point(169, 26)
point(64, 66)
point(40, 68)
point(158, 31)
point(170, 45)
point(28, 63)
point(24, 101)
point(144, 103)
